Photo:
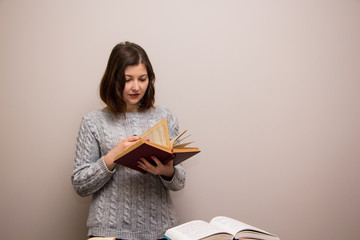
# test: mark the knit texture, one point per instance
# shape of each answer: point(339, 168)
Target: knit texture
point(126, 204)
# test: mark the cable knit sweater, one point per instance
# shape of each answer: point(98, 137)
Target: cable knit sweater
point(126, 204)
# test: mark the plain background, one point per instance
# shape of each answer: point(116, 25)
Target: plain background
point(270, 91)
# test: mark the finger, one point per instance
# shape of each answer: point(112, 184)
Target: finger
point(146, 169)
point(147, 164)
point(156, 160)
point(141, 162)
point(142, 165)
point(133, 138)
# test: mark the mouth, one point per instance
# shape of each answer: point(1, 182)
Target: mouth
point(134, 95)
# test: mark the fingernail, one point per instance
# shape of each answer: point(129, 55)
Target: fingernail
point(147, 139)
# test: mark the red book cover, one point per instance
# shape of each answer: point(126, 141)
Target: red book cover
point(144, 150)
point(159, 146)
point(182, 156)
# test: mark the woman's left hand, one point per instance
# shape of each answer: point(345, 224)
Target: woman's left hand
point(166, 170)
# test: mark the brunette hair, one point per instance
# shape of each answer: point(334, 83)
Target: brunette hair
point(113, 82)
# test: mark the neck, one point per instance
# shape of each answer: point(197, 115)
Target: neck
point(132, 108)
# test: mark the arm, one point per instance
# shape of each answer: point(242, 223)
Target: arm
point(177, 181)
point(172, 177)
point(122, 145)
point(90, 171)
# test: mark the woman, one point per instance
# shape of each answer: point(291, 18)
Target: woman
point(126, 204)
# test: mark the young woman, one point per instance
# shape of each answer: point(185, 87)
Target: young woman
point(126, 204)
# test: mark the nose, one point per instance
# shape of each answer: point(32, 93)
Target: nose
point(135, 86)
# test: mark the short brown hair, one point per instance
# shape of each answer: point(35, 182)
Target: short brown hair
point(113, 82)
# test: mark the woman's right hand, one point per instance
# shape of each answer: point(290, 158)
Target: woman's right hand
point(120, 146)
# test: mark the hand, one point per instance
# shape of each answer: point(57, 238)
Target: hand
point(120, 146)
point(166, 170)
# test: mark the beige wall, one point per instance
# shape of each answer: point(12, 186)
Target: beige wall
point(270, 91)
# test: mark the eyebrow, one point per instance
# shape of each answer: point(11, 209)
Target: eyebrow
point(144, 75)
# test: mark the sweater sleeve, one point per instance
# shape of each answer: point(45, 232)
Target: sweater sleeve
point(178, 180)
point(90, 172)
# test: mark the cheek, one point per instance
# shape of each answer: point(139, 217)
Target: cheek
point(126, 87)
point(145, 85)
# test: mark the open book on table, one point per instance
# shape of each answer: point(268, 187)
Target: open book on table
point(156, 142)
point(101, 238)
point(219, 228)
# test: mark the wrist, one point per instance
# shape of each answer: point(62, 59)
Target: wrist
point(109, 161)
point(168, 176)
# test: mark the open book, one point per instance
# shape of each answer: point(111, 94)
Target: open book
point(102, 238)
point(219, 228)
point(156, 142)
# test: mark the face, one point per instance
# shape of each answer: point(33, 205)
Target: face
point(136, 83)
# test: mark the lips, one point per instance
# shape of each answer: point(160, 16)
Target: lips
point(134, 95)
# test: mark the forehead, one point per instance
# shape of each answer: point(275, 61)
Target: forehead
point(135, 70)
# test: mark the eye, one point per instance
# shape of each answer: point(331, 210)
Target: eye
point(143, 79)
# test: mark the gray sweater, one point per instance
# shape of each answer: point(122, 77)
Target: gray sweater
point(126, 204)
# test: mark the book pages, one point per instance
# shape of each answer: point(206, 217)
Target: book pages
point(196, 229)
point(158, 134)
point(234, 226)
